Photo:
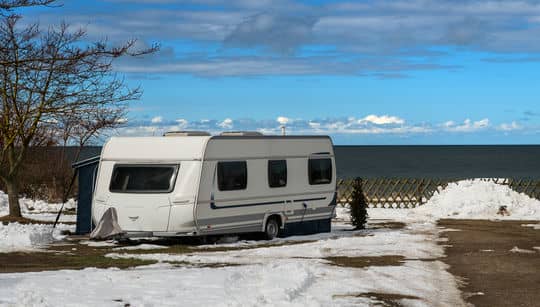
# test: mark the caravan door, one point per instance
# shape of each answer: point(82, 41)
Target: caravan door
point(140, 193)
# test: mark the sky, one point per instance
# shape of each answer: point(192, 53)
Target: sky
point(365, 72)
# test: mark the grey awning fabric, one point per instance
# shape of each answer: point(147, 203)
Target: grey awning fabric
point(107, 227)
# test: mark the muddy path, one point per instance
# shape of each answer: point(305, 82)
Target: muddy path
point(497, 260)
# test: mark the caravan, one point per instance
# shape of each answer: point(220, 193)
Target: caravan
point(191, 183)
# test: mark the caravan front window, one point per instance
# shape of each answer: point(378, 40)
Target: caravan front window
point(143, 178)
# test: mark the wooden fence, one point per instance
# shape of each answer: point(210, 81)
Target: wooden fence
point(412, 192)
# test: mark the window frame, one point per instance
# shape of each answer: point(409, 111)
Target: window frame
point(269, 172)
point(244, 162)
point(310, 180)
point(172, 181)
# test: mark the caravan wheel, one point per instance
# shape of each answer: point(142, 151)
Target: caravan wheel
point(272, 228)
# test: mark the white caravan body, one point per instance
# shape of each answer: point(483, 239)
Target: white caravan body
point(201, 185)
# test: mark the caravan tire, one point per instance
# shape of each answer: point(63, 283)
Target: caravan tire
point(271, 230)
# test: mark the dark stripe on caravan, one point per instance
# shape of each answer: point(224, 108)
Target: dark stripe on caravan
point(309, 199)
point(213, 205)
point(231, 219)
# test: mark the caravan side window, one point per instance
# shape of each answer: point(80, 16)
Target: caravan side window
point(320, 171)
point(232, 175)
point(277, 173)
point(143, 178)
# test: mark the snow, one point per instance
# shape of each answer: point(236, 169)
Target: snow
point(516, 249)
point(468, 199)
point(417, 241)
point(280, 275)
point(283, 283)
point(534, 226)
point(343, 213)
point(142, 247)
point(108, 243)
point(39, 210)
point(35, 206)
point(25, 237)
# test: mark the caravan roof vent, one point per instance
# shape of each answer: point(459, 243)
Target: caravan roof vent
point(241, 133)
point(186, 133)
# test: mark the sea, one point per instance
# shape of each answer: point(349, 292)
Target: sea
point(486, 161)
point(460, 161)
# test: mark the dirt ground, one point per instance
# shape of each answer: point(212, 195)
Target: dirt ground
point(71, 254)
point(480, 253)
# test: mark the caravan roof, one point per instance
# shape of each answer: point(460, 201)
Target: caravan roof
point(211, 147)
point(154, 148)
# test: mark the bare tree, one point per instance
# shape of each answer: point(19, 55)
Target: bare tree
point(50, 78)
point(80, 129)
point(8, 5)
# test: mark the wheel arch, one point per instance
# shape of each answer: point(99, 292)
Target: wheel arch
point(280, 216)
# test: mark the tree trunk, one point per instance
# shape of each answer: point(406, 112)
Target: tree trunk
point(13, 197)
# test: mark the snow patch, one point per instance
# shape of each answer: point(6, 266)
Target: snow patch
point(142, 247)
point(285, 282)
point(17, 237)
point(30, 206)
point(382, 243)
point(99, 243)
point(343, 213)
point(39, 210)
point(516, 249)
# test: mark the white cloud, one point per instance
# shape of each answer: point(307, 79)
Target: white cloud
point(137, 131)
point(157, 120)
point(382, 120)
point(282, 120)
point(481, 124)
point(369, 125)
point(315, 125)
point(509, 127)
point(226, 123)
point(449, 124)
point(467, 126)
point(182, 123)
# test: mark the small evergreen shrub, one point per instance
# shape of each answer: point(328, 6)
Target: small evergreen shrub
point(358, 206)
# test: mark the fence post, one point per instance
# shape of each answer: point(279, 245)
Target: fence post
point(419, 193)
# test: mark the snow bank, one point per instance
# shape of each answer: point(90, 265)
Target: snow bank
point(39, 210)
point(17, 237)
point(34, 206)
point(469, 199)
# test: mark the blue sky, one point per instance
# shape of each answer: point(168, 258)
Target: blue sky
point(365, 72)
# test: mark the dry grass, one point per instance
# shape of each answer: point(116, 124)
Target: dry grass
point(61, 257)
